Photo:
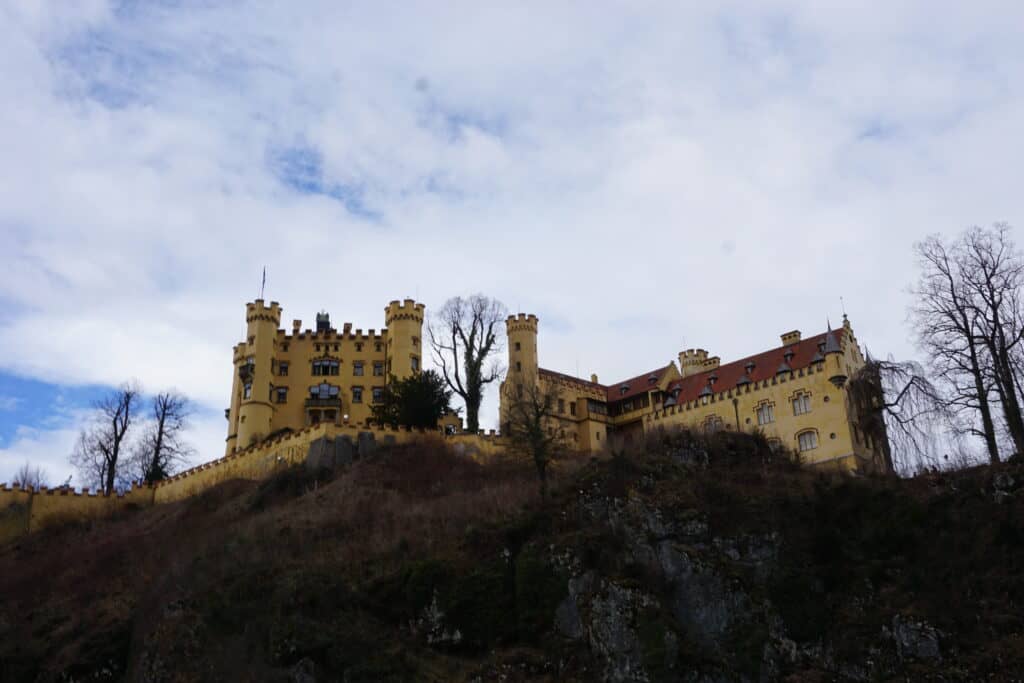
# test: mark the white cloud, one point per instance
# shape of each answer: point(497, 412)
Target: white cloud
point(586, 166)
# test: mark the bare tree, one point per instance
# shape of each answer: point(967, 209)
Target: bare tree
point(532, 427)
point(101, 444)
point(993, 274)
point(161, 450)
point(29, 478)
point(904, 414)
point(464, 333)
point(948, 327)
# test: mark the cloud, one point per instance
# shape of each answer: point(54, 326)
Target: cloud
point(725, 172)
point(8, 403)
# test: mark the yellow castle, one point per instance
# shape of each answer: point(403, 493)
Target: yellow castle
point(795, 393)
point(285, 382)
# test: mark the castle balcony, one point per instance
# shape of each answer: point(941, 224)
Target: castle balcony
point(323, 403)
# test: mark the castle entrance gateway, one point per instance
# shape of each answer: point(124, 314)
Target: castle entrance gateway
point(323, 404)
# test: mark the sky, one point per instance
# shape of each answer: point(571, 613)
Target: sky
point(645, 178)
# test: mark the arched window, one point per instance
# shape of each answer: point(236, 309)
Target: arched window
point(807, 441)
point(801, 403)
point(712, 424)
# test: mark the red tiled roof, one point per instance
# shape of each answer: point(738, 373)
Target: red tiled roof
point(766, 364)
point(640, 384)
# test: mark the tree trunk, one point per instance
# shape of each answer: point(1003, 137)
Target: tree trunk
point(1011, 404)
point(988, 425)
point(472, 413)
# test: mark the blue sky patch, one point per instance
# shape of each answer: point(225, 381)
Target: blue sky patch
point(39, 405)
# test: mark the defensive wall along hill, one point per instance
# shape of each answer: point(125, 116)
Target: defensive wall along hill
point(23, 512)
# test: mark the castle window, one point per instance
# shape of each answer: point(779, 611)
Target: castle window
point(561, 406)
point(317, 347)
point(775, 445)
point(519, 346)
point(572, 408)
point(766, 414)
point(323, 391)
point(807, 441)
point(378, 369)
point(357, 368)
point(378, 347)
point(325, 367)
point(627, 406)
point(281, 394)
point(359, 346)
point(330, 415)
point(519, 366)
point(713, 424)
point(415, 342)
point(282, 369)
point(801, 404)
point(335, 347)
point(378, 394)
point(357, 394)
point(314, 417)
point(284, 347)
point(414, 362)
point(247, 390)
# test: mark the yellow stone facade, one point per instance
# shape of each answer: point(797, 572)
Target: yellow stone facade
point(286, 381)
point(795, 393)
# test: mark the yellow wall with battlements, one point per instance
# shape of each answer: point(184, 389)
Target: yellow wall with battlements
point(831, 418)
point(274, 371)
point(23, 512)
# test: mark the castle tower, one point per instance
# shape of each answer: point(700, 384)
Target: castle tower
point(253, 378)
point(405, 338)
point(522, 350)
point(692, 361)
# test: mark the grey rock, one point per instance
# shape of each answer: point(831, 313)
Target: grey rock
point(1003, 481)
point(304, 671)
point(567, 619)
point(612, 635)
point(915, 639)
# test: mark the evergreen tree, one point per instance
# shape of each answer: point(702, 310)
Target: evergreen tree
point(419, 400)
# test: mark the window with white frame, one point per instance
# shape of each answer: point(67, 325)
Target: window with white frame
point(766, 413)
point(807, 441)
point(801, 404)
point(247, 390)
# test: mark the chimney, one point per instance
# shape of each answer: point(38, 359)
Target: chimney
point(296, 326)
point(593, 378)
point(789, 338)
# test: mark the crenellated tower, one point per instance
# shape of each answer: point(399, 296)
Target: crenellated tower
point(251, 413)
point(522, 350)
point(405, 337)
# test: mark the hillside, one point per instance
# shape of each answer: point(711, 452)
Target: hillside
point(689, 560)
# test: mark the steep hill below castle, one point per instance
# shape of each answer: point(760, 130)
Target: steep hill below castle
point(691, 560)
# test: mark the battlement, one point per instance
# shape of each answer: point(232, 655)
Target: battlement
point(257, 310)
point(405, 310)
point(692, 361)
point(522, 323)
